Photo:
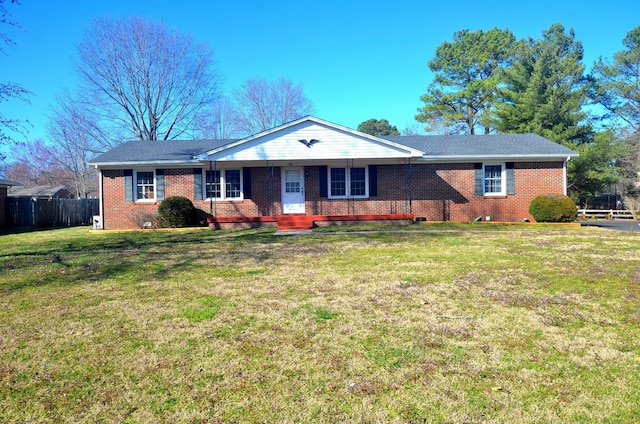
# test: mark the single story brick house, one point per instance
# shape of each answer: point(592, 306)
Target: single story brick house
point(310, 171)
point(4, 187)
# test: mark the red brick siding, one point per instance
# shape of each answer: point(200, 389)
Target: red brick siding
point(438, 192)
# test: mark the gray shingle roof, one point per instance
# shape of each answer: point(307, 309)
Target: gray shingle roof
point(4, 182)
point(445, 147)
point(176, 151)
point(504, 145)
point(37, 191)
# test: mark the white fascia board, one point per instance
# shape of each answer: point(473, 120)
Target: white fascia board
point(130, 164)
point(459, 158)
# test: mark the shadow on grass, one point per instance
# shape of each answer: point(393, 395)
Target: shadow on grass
point(135, 256)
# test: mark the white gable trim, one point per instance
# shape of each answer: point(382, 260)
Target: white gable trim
point(332, 141)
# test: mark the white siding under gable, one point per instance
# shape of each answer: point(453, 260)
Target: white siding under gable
point(333, 143)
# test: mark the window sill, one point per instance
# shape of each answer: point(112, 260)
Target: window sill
point(495, 196)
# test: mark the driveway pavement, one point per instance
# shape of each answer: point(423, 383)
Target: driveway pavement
point(616, 224)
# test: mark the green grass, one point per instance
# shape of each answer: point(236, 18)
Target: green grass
point(425, 323)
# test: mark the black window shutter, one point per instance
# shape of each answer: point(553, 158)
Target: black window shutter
point(159, 184)
point(246, 182)
point(197, 183)
point(128, 185)
point(322, 176)
point(373, 180)
point(477, 167)
point(511, 181)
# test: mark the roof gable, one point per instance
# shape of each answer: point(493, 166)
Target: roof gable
point(310, 138)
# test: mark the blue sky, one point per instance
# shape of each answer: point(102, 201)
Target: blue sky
point(356, 59)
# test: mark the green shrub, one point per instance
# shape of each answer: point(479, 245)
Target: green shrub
point(176, 211)
point(553, 208)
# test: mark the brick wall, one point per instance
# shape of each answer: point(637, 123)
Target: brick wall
point(437, 192)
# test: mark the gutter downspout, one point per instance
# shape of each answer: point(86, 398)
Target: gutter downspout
point(100, 197)
point(410, 187)
point(564, 175)
point(205, 184)
point(215, 200)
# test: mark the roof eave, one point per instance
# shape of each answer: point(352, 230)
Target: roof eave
point(468, 158)
point(144, 163)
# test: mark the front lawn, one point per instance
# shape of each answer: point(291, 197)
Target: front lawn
point(428, 323)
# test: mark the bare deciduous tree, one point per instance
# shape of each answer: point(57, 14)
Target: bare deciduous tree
point(37, 163)
point(143, 79)
point(10, 90)
point(262, 104)
point(218, 121)
point(77, 138)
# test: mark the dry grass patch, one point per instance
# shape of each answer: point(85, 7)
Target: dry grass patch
point(459, 323)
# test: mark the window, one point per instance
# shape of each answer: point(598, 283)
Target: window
point(292, 181)
point(212, 184)
point(348, 182)
point(232, 184)
point(358, 182)
point(338, 182)
point(145, 185)
point(494, 179)
point(230, 179)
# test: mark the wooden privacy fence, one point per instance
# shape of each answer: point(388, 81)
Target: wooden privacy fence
point(50, 213)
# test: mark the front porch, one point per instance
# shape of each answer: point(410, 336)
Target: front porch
point(304, 222)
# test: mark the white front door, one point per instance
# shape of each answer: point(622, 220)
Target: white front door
point(292, 190)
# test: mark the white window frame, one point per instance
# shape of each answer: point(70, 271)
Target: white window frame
point(135, 186)
point(347, 194)
point(223, 184)
point(503, 179)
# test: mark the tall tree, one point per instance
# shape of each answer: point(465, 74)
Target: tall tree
point(618, 82)
point(147, 80)
point(618, 90)
point(9, 90)
point(544, 92)
point(594, 171)
point(545, 88)
point(262, 104)
point(466, 78)
point(377, 127)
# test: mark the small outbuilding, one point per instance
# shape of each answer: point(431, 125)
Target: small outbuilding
point(40, 192)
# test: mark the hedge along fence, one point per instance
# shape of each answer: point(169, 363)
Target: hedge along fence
point(50, 213)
